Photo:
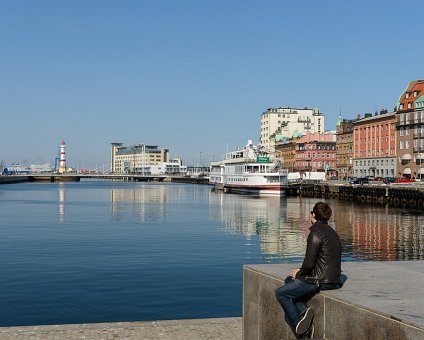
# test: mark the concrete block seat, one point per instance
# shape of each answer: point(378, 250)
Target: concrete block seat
point(379, 300)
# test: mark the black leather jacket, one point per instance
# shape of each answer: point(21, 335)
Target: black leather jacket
point(322, 263)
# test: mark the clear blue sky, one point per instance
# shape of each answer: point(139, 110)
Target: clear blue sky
point(192, 76)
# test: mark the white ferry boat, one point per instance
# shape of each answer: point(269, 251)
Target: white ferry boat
point(249, 171)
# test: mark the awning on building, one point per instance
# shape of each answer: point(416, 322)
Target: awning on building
point(407, 171)
point(406, 157)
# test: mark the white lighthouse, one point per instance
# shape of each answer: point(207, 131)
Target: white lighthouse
point(62, 158)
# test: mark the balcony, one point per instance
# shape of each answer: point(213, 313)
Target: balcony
point(402, 123)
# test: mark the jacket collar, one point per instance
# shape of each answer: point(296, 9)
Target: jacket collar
point(317, 223)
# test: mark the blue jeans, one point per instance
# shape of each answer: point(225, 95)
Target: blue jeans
point(293, 296)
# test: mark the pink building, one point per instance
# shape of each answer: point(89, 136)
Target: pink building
point(316, 152)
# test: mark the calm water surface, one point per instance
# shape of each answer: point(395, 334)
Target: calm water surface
point(99, 251)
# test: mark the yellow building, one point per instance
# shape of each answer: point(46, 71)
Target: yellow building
point(136, 158)
point(344, 147)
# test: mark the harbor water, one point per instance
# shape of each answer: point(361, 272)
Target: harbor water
point(103, 251)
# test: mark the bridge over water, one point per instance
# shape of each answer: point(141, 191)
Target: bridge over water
point(118, 177)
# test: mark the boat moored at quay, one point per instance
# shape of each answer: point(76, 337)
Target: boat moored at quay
point(249, 171)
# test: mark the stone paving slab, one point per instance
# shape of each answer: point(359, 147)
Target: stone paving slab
point(195, 329)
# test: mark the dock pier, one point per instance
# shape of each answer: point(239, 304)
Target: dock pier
point(397, 195)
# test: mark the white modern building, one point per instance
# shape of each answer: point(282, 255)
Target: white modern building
point(280, 123)
point(174, 167)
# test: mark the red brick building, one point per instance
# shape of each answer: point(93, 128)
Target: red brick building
point(374, 145)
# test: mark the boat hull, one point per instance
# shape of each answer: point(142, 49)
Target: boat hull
point(262, 190)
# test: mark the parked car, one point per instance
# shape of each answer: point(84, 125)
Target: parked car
point(388, 180)
point(404, 180)
point(378, 179)
point(360, 180)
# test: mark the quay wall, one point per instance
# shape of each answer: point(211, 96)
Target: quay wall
point(376, 302)
point(13, 179)
point(406, 196)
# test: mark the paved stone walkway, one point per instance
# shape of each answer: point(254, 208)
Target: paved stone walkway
point(196, 329)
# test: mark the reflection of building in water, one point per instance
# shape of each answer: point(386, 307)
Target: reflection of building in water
point(342, 219)
point(380, 233)
point(411, 236)
point(282, 225)
point(143, 203)
point(279, 223)
point(374, 233)
point(61, 202)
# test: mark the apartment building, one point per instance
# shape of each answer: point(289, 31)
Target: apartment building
point(280, 123)
point(374, 145)
point(285, 152)
point(316, 152)
point(344, 148)
point(410, 130)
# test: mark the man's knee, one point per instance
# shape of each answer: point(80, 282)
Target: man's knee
point(278, 292)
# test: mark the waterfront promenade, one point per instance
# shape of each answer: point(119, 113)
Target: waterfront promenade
point(196, 329)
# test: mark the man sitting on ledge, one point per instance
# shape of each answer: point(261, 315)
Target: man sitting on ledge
point(321, 270)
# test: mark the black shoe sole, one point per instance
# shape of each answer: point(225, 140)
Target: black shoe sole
point(304, 323)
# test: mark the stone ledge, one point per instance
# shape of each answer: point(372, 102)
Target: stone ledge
point(380, 300)
point(208, 329)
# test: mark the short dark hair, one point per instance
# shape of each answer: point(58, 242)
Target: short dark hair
point(322, 211)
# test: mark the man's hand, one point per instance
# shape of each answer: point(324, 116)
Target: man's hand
point(293, 273)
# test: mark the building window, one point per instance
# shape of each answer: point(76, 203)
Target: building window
point(401, 145)
point(407, 95)
point(409, 105)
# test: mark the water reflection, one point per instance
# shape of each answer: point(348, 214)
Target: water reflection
point(276, 227)
point(144, 203)
point(61, 190)
point(380, 233)
point(282, 225)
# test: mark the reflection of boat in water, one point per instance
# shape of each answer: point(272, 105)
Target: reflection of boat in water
point(273, 226)
point(249, 171)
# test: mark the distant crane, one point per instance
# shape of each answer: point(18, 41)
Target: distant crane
point(56, 161)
